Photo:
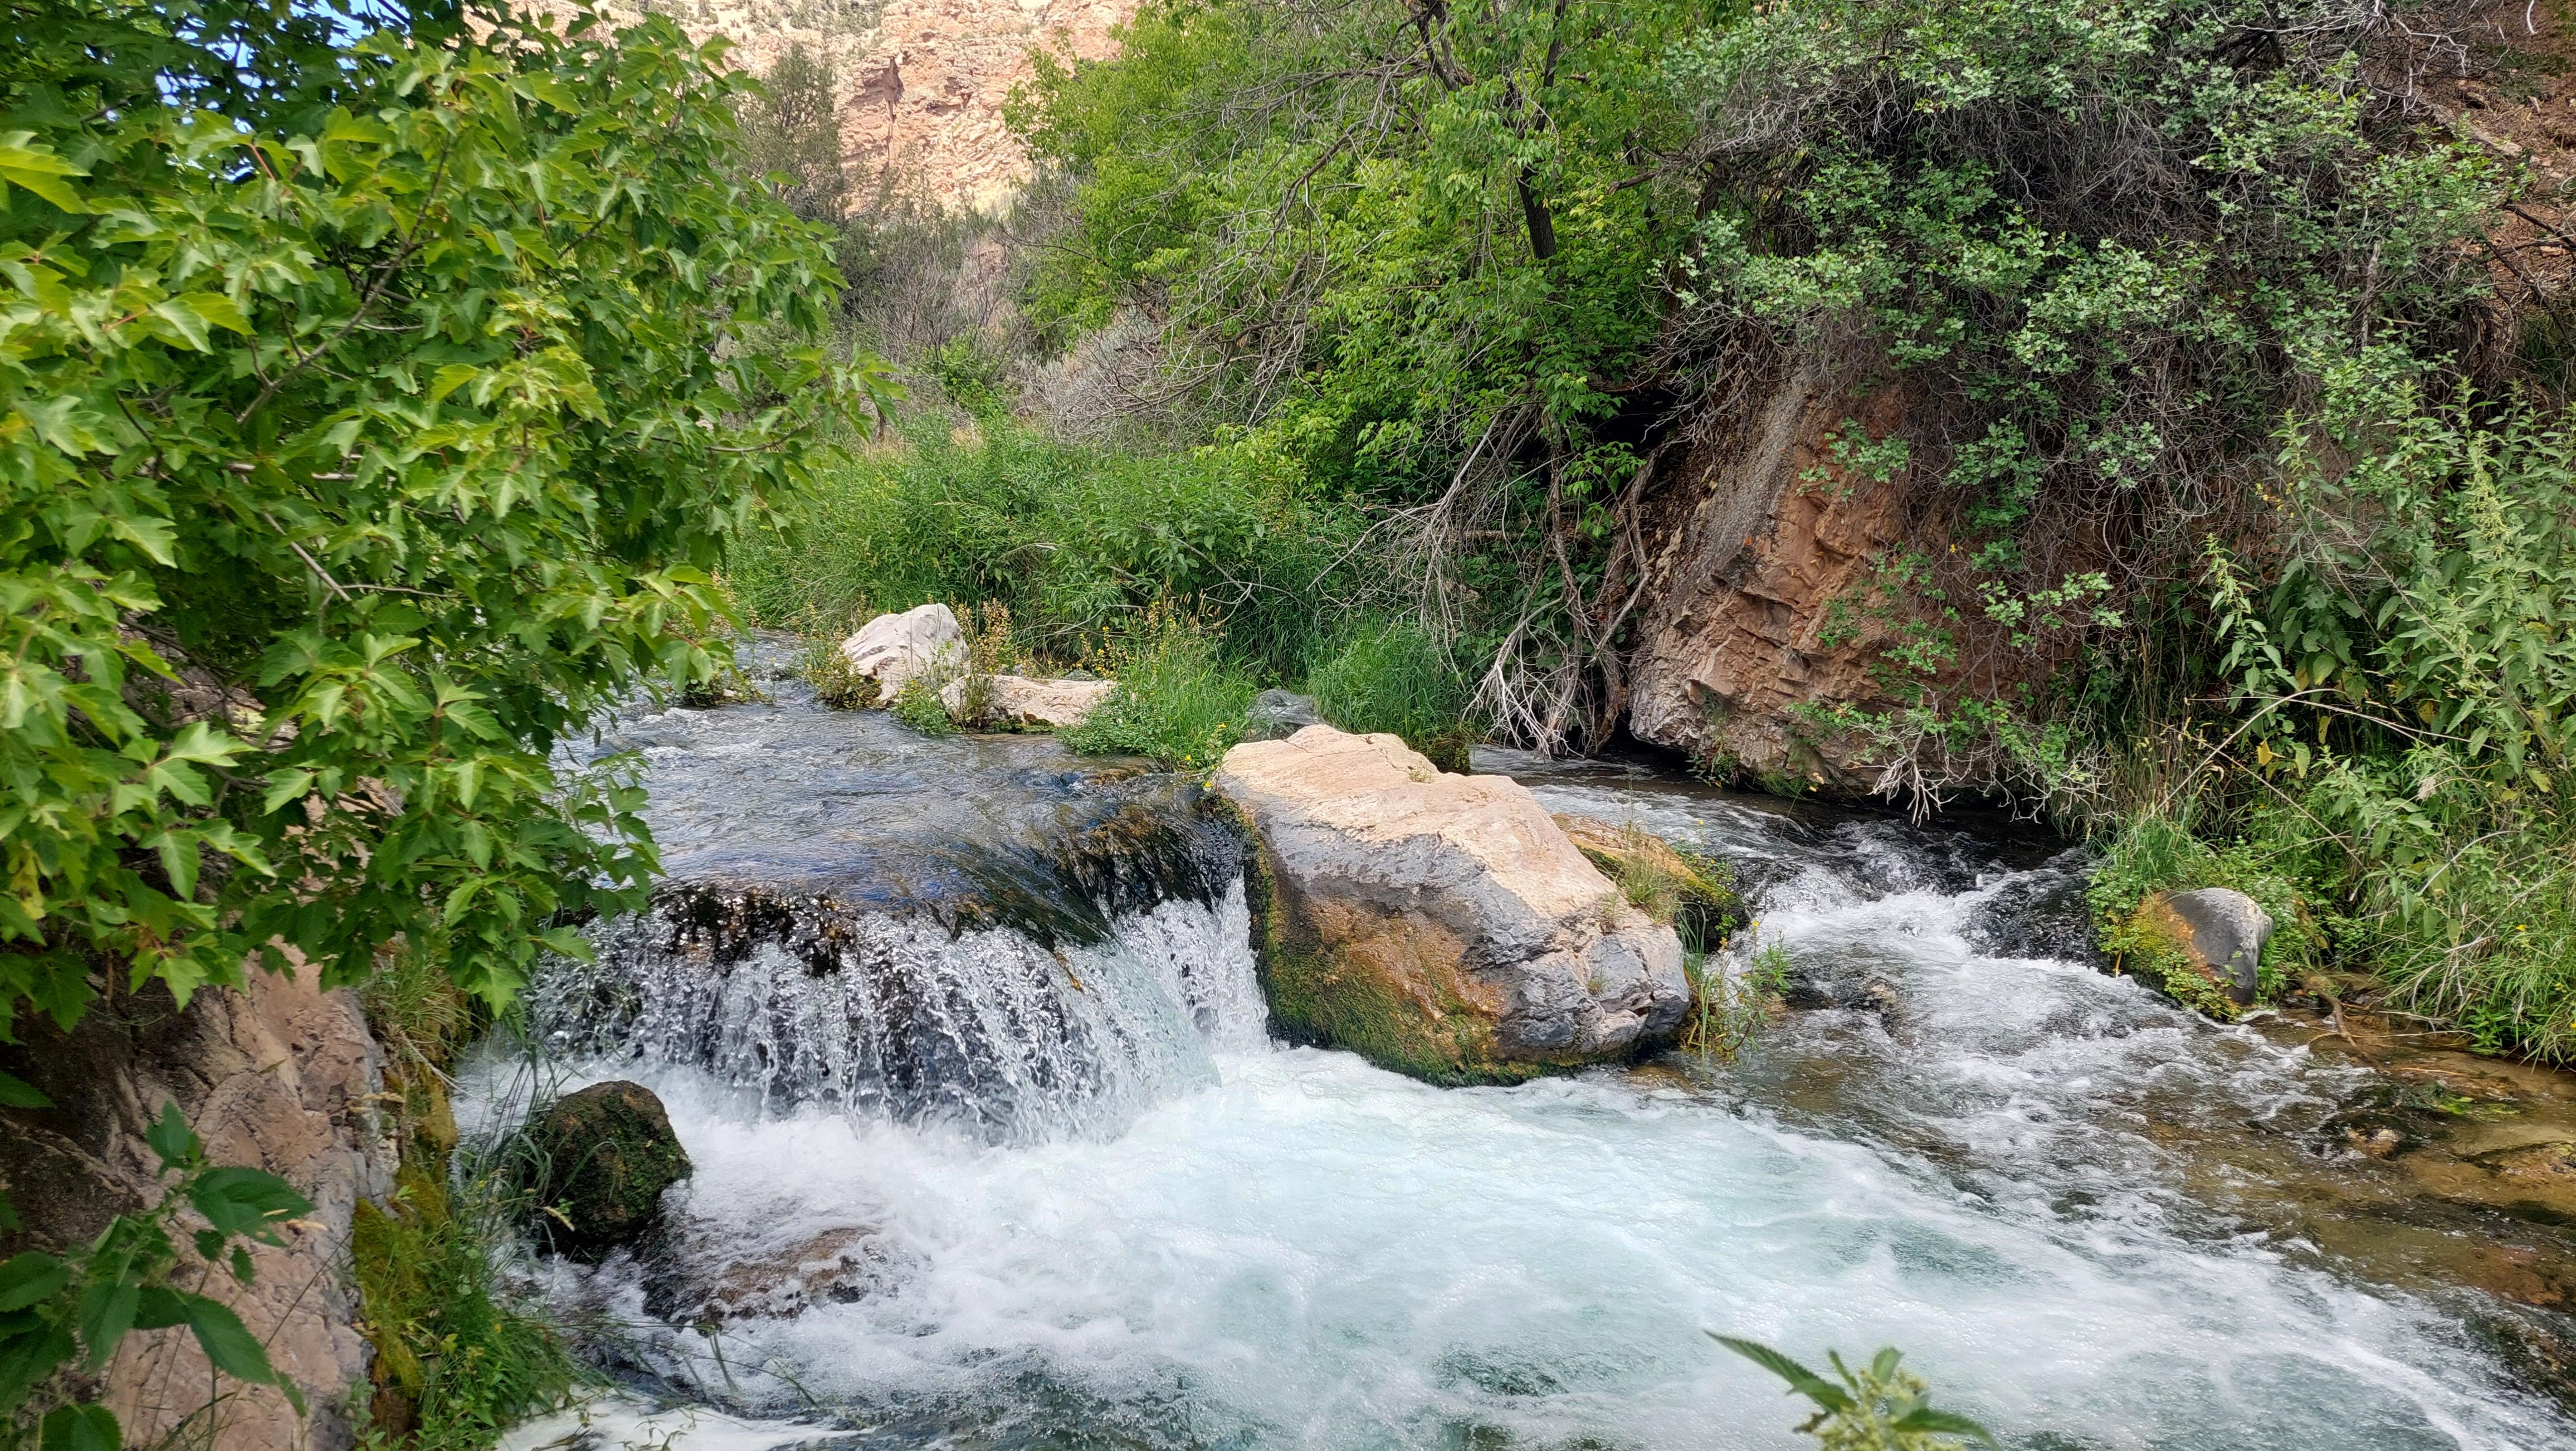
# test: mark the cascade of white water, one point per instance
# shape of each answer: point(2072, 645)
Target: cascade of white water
point(898, 1019)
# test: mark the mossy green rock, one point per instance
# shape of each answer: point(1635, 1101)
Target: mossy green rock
point(605, 1154)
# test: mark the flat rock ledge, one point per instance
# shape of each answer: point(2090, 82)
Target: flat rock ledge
point(1023, 702)
point(1440, 925)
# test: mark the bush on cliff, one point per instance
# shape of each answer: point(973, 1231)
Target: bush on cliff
point(2193, 313)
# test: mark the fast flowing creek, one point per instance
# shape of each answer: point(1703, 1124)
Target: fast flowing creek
point(992, 1150)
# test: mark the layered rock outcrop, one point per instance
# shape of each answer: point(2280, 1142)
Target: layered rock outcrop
point(1441, 925)
point(1763, 598)
point(278, 1075)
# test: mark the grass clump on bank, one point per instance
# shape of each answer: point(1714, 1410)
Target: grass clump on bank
point(1390, 675)
point(460, 1356)
point(1073, 539)
point(1177, 700)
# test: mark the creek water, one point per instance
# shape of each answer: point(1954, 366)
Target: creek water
point(1037, 1178)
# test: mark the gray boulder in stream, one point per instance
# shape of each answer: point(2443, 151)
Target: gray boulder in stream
point(1441, 925)
point(1278, 714)
point(2220, 932)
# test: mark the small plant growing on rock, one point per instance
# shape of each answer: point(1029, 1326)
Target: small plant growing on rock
point(1877, 1407)
point(1728, 1009)
point(837, 683)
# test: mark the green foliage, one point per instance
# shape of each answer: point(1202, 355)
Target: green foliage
point(791, 132)
point(2152, 853)
point(1390, 675)
point(1731, 1001)
point(1876, 1407)
point(1177, 701)
point(837, 683)
point(458, 1358)
point(2407, 687)
point(1073, 539)
point(62, 1313)
point(369, 424)
point(917, 705)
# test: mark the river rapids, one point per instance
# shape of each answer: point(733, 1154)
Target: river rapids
point(985, 1170)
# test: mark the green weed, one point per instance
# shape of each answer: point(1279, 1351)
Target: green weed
point(1176, 700)
point(1390, 675)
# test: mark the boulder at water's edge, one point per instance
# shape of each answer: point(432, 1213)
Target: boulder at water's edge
point(2221, 932)
point(1441, 925)
point(892, 649)
point(1024, 703)
point(608, 1153)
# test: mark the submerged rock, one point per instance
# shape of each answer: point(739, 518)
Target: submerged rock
point(892, 649)
point(606, 1154)
point(1441, 925)
point(706, 1272)
point(1022, 702)
point(2219, 932)
point(2039, 914)
point(1278, 714)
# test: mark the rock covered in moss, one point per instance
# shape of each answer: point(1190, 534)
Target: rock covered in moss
point(1441, 925)
point(2217, 933)
point(1696, 895)
point(605, 1155)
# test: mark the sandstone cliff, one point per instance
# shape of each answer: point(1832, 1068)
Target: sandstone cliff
point(922, 81)
point(278, 1076)
point(1759, 605)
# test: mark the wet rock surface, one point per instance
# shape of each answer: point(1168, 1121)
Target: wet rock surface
point(605, 1156)
point(1441, 925)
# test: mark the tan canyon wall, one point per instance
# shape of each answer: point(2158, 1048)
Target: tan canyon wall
point(922, 81)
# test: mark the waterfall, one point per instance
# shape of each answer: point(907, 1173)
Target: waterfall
point(898, 1018)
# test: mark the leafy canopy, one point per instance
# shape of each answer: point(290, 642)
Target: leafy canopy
point(371, 417)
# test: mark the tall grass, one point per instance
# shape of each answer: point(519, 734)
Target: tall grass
point(1390, 675)
point(1177, 700)
point(1073, 538)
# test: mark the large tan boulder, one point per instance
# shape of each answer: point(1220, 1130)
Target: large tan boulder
point(1441, 925)
point(892, 649)
point(1023, 703)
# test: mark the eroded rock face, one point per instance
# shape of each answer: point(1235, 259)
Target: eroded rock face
point(1441, 925)
point(1762, 576)
point(278, 1075)
point(922, 81)
point(1025, 703)
point(609, 1152)
point(892, 649)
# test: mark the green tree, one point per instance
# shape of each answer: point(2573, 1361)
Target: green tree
point(371, 417)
